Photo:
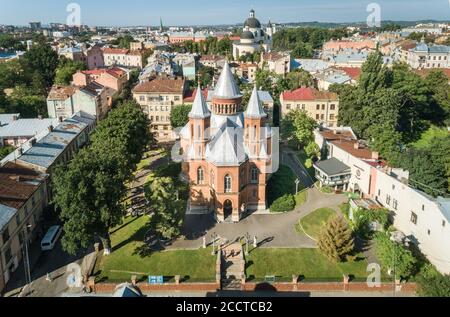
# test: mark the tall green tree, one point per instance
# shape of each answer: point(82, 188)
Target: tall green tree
point(179, 116)
point(297, 124)
point(336, 240)
point(43, 59)
point(66, 69)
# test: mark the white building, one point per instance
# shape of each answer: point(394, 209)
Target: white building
point(429, 56)
point(253, 37)
point(423, 219)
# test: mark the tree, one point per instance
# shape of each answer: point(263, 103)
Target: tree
point(298, 124)
point(5, 150)
point(312, 150)
point(394, 256)
point(335, 240)
point(66, 69)
point(90, 190)
point(299, 78)
point(179, 116)
point(43, 59)
point(168, 216)
point(434, 286)
point(374, 75)
point(12, 73)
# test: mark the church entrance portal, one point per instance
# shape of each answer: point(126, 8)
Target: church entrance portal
point(227, 209)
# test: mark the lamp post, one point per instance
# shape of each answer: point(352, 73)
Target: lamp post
point(297, 182)
point(26, 266)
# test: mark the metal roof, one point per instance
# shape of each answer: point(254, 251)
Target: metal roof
point(44, 152)
point(26, 127)
point(255, 109)
point(332, 167)
point(226, 86)
point(199, 108)
point(6, 118)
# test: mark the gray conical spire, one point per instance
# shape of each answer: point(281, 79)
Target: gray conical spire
point(255, 109)
point(226, 87)
point(199, 108)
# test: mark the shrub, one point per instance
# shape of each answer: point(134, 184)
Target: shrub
point(283, 204)
point(393, 254)
point(335, 240)
point(327, 190)
point(434, 286)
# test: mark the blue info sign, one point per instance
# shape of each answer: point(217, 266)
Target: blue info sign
point(156, 279)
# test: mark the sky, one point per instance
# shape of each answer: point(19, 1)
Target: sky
point(208, 12)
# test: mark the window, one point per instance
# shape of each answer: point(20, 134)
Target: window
point(8, 255)
point(200, 176)
point(443, 223)
point(388, 200)
point(317, 116)
point(331, 116)
point(395, 204)
point(322, 117)
point(18, 220)
point(332, 107)
point(255, 175)
point(177, 98)
point(379, 192)
point(5, 235)
point(227, 184)
point(318, 107)
point(212, 178)
point(142, 98)
point(323, 107)
point(423, 207)
point(429, 232)
point(413, 218)
point(288, 107)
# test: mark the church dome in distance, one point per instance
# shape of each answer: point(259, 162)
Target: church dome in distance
point(253, 23)
point(247, 35)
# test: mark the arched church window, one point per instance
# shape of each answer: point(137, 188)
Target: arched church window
point(255, 175)
point(227, 183)
point(200, 175)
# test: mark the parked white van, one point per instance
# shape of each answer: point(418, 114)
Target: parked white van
point(50, 238)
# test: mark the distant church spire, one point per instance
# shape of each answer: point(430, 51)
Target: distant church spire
point(161, 27)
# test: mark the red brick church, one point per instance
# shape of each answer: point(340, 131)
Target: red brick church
point(227, 152)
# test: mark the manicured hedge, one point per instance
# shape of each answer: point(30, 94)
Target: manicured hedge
point(283, 204)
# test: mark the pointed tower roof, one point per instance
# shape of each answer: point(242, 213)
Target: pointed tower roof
point(199, 108)
point(255, 109)
point(226, 87)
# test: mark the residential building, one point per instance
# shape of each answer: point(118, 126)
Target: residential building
point(424, 220)
point(312, 66)
point(6, 118)
point(75, 54)
point(340, 45)
point(19, 131)
point(157, 98)
point(94, 57)
point(114, 78)
point(253, 38)
point(214, 61)
point(227, 153)
point(277, 62)
point(429, 56)
point(322, 106)
point(59, 145)
point(333, 75)
point(23, 196)
point(93, 98)
point(122, 57)
point(187, 64)
point(246, 71)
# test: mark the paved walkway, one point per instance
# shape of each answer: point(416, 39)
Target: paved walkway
point(289, 158)
point(271, 230)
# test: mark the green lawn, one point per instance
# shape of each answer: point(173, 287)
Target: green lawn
point(308, 263)
point(197, 265)
point(301, 198)
point(313, 223)
point(281, 183)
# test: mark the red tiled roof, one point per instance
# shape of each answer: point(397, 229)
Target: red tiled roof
point(115, 51)
point(190, 96)
point(161, 85)
point(308, 93)
point(115, 72)
point(353, 72)
point(61, 92)
point(347, 142)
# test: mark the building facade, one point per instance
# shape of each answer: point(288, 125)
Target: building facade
point(429, 56)
point(122, 57)
point(322, 106)
point(227, 153)
point(157, 98)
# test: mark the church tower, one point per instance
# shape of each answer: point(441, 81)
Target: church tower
point(199, 123)
point(254, 126)
point(227, 99)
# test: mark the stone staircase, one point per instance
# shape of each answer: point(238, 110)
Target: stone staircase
point(232, 267)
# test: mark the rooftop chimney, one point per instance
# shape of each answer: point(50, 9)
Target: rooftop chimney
point(32, 141)
point(50, 128)
point(60, 119)
point(15, 118)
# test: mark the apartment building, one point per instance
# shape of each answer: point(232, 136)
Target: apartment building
point(277, 62)
point(114, 78)
point(94, 57)
point(157, 98)
point(429, 56)
point(23, 197)
point(122, 57)
point(19, 131)
point(322, 106)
